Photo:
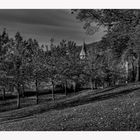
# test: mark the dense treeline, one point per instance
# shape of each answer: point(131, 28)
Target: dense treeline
point(114, 60)
point(24, 61)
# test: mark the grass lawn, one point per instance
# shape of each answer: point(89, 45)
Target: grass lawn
point(108, 109)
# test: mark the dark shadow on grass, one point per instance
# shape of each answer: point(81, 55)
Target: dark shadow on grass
point(62, 104)
point(90, 99)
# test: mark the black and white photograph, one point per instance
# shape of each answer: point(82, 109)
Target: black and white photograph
point(70, 69)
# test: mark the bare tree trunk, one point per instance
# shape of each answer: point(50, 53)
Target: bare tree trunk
point(65, 88)
point(23, 90)
point(18, 96)
point(105, 84)
point(74, 87)
point(132, 73)
point(53, 91)
point(36, 83)
point(4, 93)
point(114, 82)
point(94, 84)
point(138, 70)
point(91, 83)
point(137, 74)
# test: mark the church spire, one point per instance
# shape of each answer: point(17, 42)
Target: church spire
point(83, 51)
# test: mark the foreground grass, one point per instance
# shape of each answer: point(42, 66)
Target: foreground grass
point(114, 113)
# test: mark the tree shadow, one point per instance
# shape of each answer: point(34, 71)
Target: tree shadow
point(90, 99)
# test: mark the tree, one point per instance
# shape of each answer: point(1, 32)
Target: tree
point(75, 66)
point(4, 38)
point(63, 66)
point(14, 57)
point(17, 52)
point(17, 57)
point(36, 61)
point(91, 66)
point(52, 61)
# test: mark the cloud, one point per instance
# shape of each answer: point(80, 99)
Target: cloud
point(44, 24)
point(39, 16)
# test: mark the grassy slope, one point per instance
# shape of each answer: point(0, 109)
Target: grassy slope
point(108, 112)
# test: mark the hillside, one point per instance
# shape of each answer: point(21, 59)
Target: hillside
point(115, 108)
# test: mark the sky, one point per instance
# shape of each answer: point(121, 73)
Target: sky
point(44, 24)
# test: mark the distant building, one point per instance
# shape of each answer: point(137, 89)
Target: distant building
point(83, 52)
point(87, 50)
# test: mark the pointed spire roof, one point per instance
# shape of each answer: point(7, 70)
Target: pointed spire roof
point(83, 51)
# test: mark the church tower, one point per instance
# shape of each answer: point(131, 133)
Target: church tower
point(83, 52)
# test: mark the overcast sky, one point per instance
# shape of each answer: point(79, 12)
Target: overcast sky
point(44, 24)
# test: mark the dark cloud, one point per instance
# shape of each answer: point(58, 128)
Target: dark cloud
point(44, 24)
point(41, 17)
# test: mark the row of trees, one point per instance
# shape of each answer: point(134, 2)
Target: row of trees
point(24, 61)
